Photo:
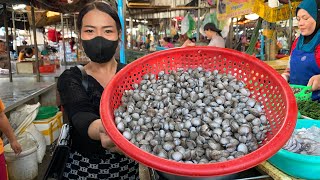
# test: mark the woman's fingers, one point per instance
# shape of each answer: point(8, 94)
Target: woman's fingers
point(106, 141)
point(314, 81)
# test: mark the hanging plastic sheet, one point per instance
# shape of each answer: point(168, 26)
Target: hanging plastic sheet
point(188, 25)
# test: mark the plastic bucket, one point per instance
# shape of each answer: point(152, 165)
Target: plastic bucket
point(25, 165)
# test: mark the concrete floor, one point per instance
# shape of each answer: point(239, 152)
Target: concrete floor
point(45, 163)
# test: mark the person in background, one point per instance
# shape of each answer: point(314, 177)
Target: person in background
point(24, 42)
point(190, 42)
point(72, 42)
point(139, 40)
point(26, 53)
point(304, 64)
point(214, 34)
point(165, 42)
point(148, 42)
point(93, 154)
point(8, 131)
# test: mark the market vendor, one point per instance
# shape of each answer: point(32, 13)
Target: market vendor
point(26, 53)
point(214, 34)
point(304, 63)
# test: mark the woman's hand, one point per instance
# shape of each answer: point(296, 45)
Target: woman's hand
point(16, 147)
point(106, 141)
point(97, 132)
point(285, 76)
point(314, 81)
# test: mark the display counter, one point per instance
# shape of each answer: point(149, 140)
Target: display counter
point(25, 89)
point(278, 65)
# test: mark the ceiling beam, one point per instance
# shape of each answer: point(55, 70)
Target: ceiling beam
point(146, 11)
point(149, 7)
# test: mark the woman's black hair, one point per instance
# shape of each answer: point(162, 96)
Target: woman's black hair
point(167, 39)
point(212, 27)
point(103, 7)
point(193, 39)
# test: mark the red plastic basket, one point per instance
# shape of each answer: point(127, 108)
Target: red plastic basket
point(266, 85)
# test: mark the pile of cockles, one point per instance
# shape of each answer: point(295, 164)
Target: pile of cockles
point(192, 116)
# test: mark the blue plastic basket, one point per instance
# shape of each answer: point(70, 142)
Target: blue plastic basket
point(298, 165)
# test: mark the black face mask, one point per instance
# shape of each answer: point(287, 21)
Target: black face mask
point(99, 49)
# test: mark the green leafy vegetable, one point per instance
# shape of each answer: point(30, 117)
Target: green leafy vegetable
point(309, 108)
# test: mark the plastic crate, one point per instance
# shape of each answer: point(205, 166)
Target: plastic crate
point(50, 128)
point(47, 68)
point(304, 94)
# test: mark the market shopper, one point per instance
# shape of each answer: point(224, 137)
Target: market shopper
point(166, 42)
point(214, 34)
point(8, 131)
point(93, 154)
point(304, 64)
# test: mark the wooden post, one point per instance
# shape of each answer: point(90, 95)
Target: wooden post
point(63, 42)
point(35, 42)
point(131, 35)
point(290, 26)
point(7, 39)
point(71, 28)
point(198, 23)
point(230, 38)
point(31, 42)
point(67, 25)
point(14, 34)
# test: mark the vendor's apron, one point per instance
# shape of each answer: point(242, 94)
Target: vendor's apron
point(302, 67)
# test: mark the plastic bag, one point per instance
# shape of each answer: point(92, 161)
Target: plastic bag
point(188, 25)
point(23, 116)
point(4, 71)
point(39, 139)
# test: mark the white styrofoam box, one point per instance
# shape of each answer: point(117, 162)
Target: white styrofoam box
point(50, 127)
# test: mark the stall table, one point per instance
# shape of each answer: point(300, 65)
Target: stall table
point(21, 91)
point(278, 65)
point(273, 172)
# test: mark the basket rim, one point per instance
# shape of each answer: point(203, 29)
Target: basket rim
point(200, 170)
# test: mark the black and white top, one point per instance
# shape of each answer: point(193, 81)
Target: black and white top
point(88, 158)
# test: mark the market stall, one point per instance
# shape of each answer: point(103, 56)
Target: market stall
point(29, 83)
